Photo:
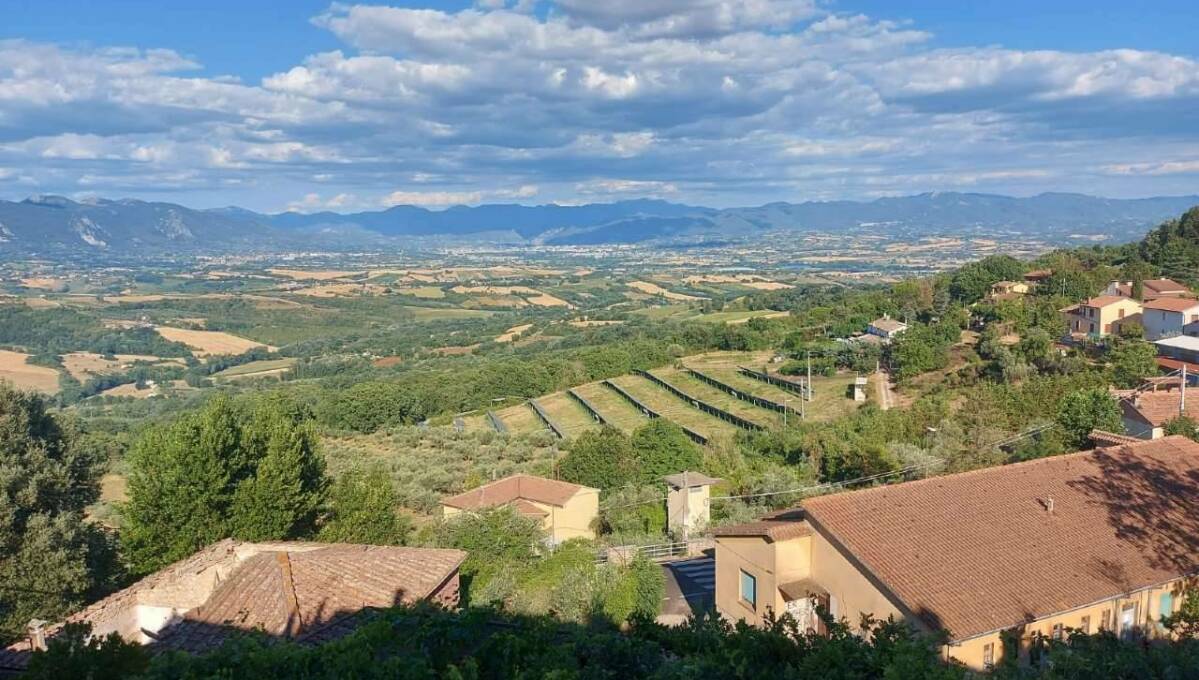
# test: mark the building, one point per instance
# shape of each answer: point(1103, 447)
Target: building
point(1178, 351)
point(307, 592)
point(860, 384)
point(565, 510)
point(886, 327)
point(687, 505)
point(1006, 290)
point(1150, 289)
point(1101, 316)
point(1145, 414)
point(1165, 317)
point(1037, 276)
point(998, 558)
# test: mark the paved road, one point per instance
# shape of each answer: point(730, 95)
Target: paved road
point(690, 587)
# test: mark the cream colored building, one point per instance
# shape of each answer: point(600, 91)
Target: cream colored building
point(998, 558)
point(688, 501)
point(1101, 316)
point(565, 510)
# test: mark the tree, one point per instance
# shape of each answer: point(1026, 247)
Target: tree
point(1183, 425)
point(600, 458)
point(662, 448)
point(974, 280)
point(223, 471)
point(1086, 410)
point(75, 653)
point(363, 509)
point(1185, 621)
point(1132, 361)
point(50, 559)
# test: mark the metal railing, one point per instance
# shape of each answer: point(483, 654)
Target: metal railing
point(496, 423)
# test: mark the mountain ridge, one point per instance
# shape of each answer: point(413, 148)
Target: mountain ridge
point(48, 224)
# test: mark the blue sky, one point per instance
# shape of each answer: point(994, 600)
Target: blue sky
point(306, 105)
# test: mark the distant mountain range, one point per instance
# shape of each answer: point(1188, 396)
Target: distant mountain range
point(48, 225)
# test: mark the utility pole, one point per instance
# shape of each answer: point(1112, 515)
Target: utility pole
point(808, 386)
point(1182, 401)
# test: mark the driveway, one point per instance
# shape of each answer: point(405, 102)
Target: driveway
point(690, 587)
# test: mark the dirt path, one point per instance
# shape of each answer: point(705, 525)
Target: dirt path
point(886, 398)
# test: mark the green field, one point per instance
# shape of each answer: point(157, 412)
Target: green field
point(567, 414)
point(830, 395)
point(673, 408)
point(718, 398)
point(620, 413)
point(435, 313)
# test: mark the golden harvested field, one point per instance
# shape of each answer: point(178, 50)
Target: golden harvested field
point(332, 290)
point(593, 323)
point(205, 343)
point(41, 303)
point(133, 299)
point(257, 369)
point(424, 292)
point(530, 295)
point(654, 289)
point(767, 285)
point(27, 376)
point(511, 333)
point(85, 365)
point(315, 274)
point(129, 390)
point(44, 283)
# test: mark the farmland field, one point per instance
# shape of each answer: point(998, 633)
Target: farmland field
point(205, 343)
point(673, 408)
point(567, 414)
point(256, 369)
point(710, 394)
point(620, 413)
point(13, 368)
point(520, 419)
point(85, 365)
point(654, 289)
point(830, 395)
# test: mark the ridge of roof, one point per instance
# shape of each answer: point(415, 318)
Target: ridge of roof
point(510, 488)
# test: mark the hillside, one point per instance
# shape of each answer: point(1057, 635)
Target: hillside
point(53, 225)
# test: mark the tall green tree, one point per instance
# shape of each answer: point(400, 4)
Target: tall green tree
point(662, 448)
point(248, 472)
point(974, 280)
point(1086, 410)
point(363, 509)
point(1132, 361)
point(600, 458)
point(50, 559)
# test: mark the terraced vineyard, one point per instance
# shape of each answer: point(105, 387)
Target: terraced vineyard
point(701, 390)
point(620, 413)
point(674, 408)
point(831, 397)
point(520, 419)
point(567, 414)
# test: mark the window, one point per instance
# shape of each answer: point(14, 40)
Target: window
point(1058, 632)
point(1085, 626)
point(989, 655)
point(749, 589)
point(1165, 606)
point(1121, 314)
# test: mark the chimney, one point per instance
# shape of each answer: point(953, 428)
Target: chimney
point(1049, 505)
point(37, 634)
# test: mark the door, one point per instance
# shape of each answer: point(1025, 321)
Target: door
point(1128, 620)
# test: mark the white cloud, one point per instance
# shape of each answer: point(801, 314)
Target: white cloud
point(626, 186)
point(432, 198)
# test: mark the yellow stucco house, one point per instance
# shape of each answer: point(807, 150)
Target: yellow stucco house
point(999, 558)
point(565, 510)
point(1101, 316)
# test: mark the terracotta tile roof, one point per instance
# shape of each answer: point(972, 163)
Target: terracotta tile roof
point(508, 489)
point(295, 594)
point(1103, 438)
point(528, 508)
point(1159, 408)
point(1164, 286)
point(1172, 304)
point(1105, 300)
point(979, 551)
point(778, 526)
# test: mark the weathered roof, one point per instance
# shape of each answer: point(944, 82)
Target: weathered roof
point(1187, 342)
point(981, 551)
point(1159, 408)
point(529, 508)
point(687, 479)
point(508, 489)
point(1172, 304)
point(1163, 285)
point(295, 594)
point(1103, 438)
point(888, 325)
point(778, 526)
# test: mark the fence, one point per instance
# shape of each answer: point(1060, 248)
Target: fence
point(545, 418)
point(650, 413)
point(496, 423)
point(703, 405)
point(658, 552)
point(796, 386)
point(743, 396)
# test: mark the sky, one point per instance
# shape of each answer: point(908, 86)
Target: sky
point(302, 105)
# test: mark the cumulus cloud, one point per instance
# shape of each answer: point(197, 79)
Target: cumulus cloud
point(716, 101)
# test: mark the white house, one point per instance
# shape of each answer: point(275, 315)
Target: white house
point(1166, 317)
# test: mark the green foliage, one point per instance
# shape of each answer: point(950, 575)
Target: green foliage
point(602, 458)
point(1173, 248)
point(1185, 621)
point(250, 472)
point(630, 513)
point(974, 280)
point(363, 509)
point(51, 561)
point(923, 348)
point(662, 448)
point(1183, 425)
point(495, 539)
point(1132, 361)
point(1087, 410)
point(74, 653)
point(61, 330)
